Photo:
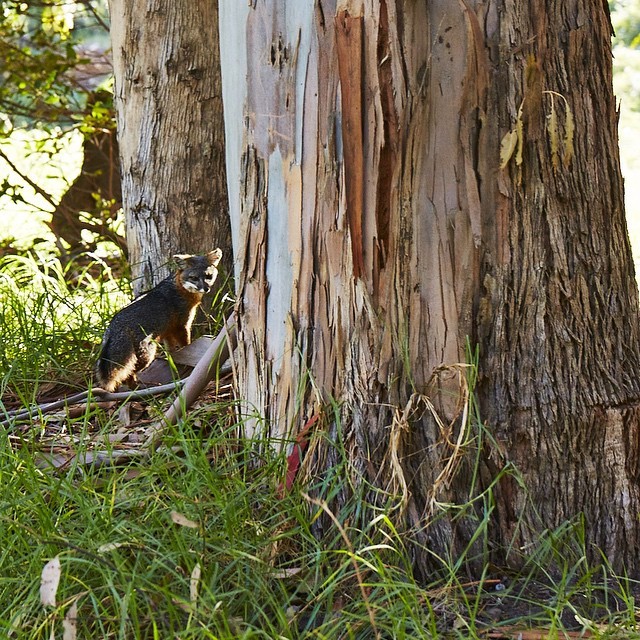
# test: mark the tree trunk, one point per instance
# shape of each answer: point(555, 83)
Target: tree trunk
point(376, 232)
point(559, 303)
point(171, 133)
point(96, 192)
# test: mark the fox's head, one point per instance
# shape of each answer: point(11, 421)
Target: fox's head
point(197, 273)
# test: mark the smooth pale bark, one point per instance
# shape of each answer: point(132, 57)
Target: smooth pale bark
point(169, 105)
point(375, 232)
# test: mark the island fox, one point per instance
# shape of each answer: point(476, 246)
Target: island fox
point(164, 313)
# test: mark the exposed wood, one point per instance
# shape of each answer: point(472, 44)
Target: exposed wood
point(350, 44)
point(203, 373)
point(80, 398)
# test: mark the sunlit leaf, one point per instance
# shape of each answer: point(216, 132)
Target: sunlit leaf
point(49, 581)
point(183, 521)
point(507, 147)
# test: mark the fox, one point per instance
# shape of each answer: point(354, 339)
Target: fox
point(162, 314)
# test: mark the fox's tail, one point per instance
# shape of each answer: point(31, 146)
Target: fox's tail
point(110, 372)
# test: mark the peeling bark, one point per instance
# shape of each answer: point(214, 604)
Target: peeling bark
point(171, 133)
point(349, 40)
point(376, 234)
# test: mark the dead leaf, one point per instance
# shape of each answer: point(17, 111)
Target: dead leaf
point(286, 573)
point(520, 134)
point(16, 623)
point(194, 584)
point(69, 622)
point(124, 415)
point(49, 581)
point(183, 521)
point(295, 458)
point(111, 546)
point(507, 147)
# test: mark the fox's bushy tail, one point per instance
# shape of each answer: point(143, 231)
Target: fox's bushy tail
point(111, 371)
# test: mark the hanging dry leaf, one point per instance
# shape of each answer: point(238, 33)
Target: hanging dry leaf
point(569, 128)
point(507, 147)
point(49, 581)
point(69, 622)
point(552, 128)
point(194, 584)
point(520, 134)
point(183, 521)
point(554, 135)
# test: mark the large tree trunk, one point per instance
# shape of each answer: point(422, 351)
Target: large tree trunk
point(559, 320)
point(168, 99)
point(375, 232)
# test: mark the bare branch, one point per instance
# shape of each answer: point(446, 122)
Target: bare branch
point(28, 180)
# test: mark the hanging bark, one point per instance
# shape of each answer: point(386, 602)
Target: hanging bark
point(376, 232)
point(169, 105)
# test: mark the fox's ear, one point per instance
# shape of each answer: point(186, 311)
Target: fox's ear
point(214, 257)
point(181, 260)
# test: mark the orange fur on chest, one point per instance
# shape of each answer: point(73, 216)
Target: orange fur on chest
point(178, 332)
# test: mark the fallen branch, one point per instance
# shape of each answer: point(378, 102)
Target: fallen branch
point(104, 396)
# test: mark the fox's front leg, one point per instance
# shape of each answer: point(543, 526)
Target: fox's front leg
point(179, 337)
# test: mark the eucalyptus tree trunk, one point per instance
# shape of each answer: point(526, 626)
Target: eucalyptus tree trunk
point(170, 127)
point(377, 228)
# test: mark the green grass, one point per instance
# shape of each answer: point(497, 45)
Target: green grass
point(52, 319)
point(270, 565)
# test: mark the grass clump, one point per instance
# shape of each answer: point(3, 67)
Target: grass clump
point(197, 539)
point(52, 319)
point(197, 542)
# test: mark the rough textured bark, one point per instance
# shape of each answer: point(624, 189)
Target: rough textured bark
point(559, 327)
point(171, 133)
point(375, 232)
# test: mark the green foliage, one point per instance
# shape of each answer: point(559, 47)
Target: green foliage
point(198, 540)
point(625, 18)
point(52, 319)
point(39, 44)
point(56, 82)
point(626, 65)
